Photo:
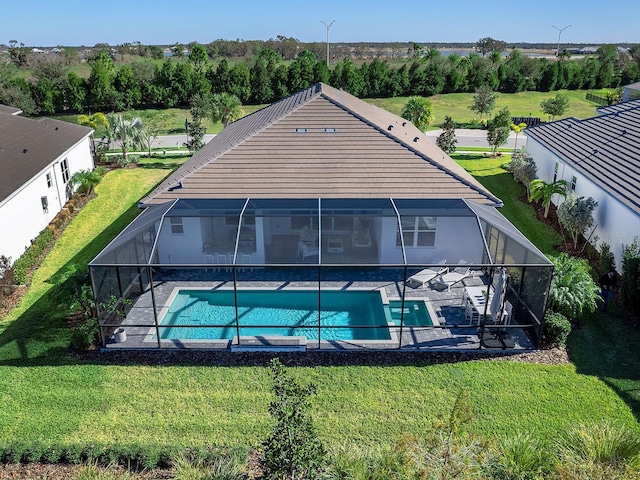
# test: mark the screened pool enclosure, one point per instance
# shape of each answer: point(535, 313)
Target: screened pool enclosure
point(341, 274)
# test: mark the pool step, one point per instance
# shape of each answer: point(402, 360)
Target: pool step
point(269, 343)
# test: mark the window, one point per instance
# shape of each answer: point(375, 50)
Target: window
point(49, 181)
point(64, 168)
point(555, 172)
point(574, 180)
point(417, 231)
point(176, 225)
point(45, 204)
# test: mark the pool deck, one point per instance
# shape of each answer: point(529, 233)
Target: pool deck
point(454, 332)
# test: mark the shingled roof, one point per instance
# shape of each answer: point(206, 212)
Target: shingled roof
point(605, 149)
point(325, 143)
point(27, 146)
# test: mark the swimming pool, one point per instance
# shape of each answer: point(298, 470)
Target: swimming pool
point(345, 315)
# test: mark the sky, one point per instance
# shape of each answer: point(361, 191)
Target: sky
point(163, 22)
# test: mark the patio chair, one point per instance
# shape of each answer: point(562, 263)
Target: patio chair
point(307, 250)
point(426, 275)
point(452, 277)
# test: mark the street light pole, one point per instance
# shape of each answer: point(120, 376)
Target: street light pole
point(560, 30)
point(328, 27)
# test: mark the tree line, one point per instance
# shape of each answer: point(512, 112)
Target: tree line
point(265, 77)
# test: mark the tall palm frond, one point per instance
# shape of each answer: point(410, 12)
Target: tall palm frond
point(541, 190)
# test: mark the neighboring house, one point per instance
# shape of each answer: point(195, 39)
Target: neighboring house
point(37, 157)
point(631, 92)
point(600, 158)
point(319, 193)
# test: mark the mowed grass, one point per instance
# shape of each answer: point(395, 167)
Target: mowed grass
point(456, 105)
point(49, 396)
point(176, 124)
point(492, 174)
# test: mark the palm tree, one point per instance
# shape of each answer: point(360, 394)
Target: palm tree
point(225, 108)
point(517, 128)
point(541, 190)
point(126, 133)
point(84, 181)
point(93, 121)
point(418, 110)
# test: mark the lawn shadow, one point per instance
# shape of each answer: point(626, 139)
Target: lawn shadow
point(604, 345)
point(40, 335)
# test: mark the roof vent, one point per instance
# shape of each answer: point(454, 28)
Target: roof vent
point(24, 151)
point(390, 127)
point(595, 151)
point(57, 128)
point(302, 130)
point(415, 139)
point(330, 130)
point(179, 185)
point(404, 124)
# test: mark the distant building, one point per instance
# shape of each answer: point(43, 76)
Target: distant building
point(631, 92)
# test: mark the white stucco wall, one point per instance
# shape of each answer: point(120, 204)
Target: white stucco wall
point(22, 216)
point(617, 225)
point(181, 248)
point(457, 238)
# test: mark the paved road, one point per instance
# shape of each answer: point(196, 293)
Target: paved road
point(466, 138)
point(477, 138)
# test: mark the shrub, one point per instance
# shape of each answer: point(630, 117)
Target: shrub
point(599, 451)
point(85, 335)
point(221, 467)
point(6, 279)
point(523, 168)
point(573, 291)
point(520, 457)
point(556, 330)
point(630, 287)
point(292, 449)
point(607, 261)
point(576, 215)
point(32, 257)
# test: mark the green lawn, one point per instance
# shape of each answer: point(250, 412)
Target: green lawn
point(176, 127)
point(490, 173)
point(50, 396)
point(456, 105)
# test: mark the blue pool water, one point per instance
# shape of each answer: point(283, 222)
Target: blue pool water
point(205, 315)
point(276, 312)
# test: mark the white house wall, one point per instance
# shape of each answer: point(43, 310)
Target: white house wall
point(457, 238)
point(22, 216)
point(181, 248)
point(617, 225)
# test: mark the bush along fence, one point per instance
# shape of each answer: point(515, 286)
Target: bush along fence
point(134, 457)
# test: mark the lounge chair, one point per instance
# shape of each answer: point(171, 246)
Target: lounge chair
point(452, 277)
point(424, 276)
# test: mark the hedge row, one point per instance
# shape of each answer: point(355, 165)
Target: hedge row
point(133, 457)
point(33, 256)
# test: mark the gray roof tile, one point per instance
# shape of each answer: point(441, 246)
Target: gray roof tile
point(27, 146)
point(345, 149)
point(606, 149)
